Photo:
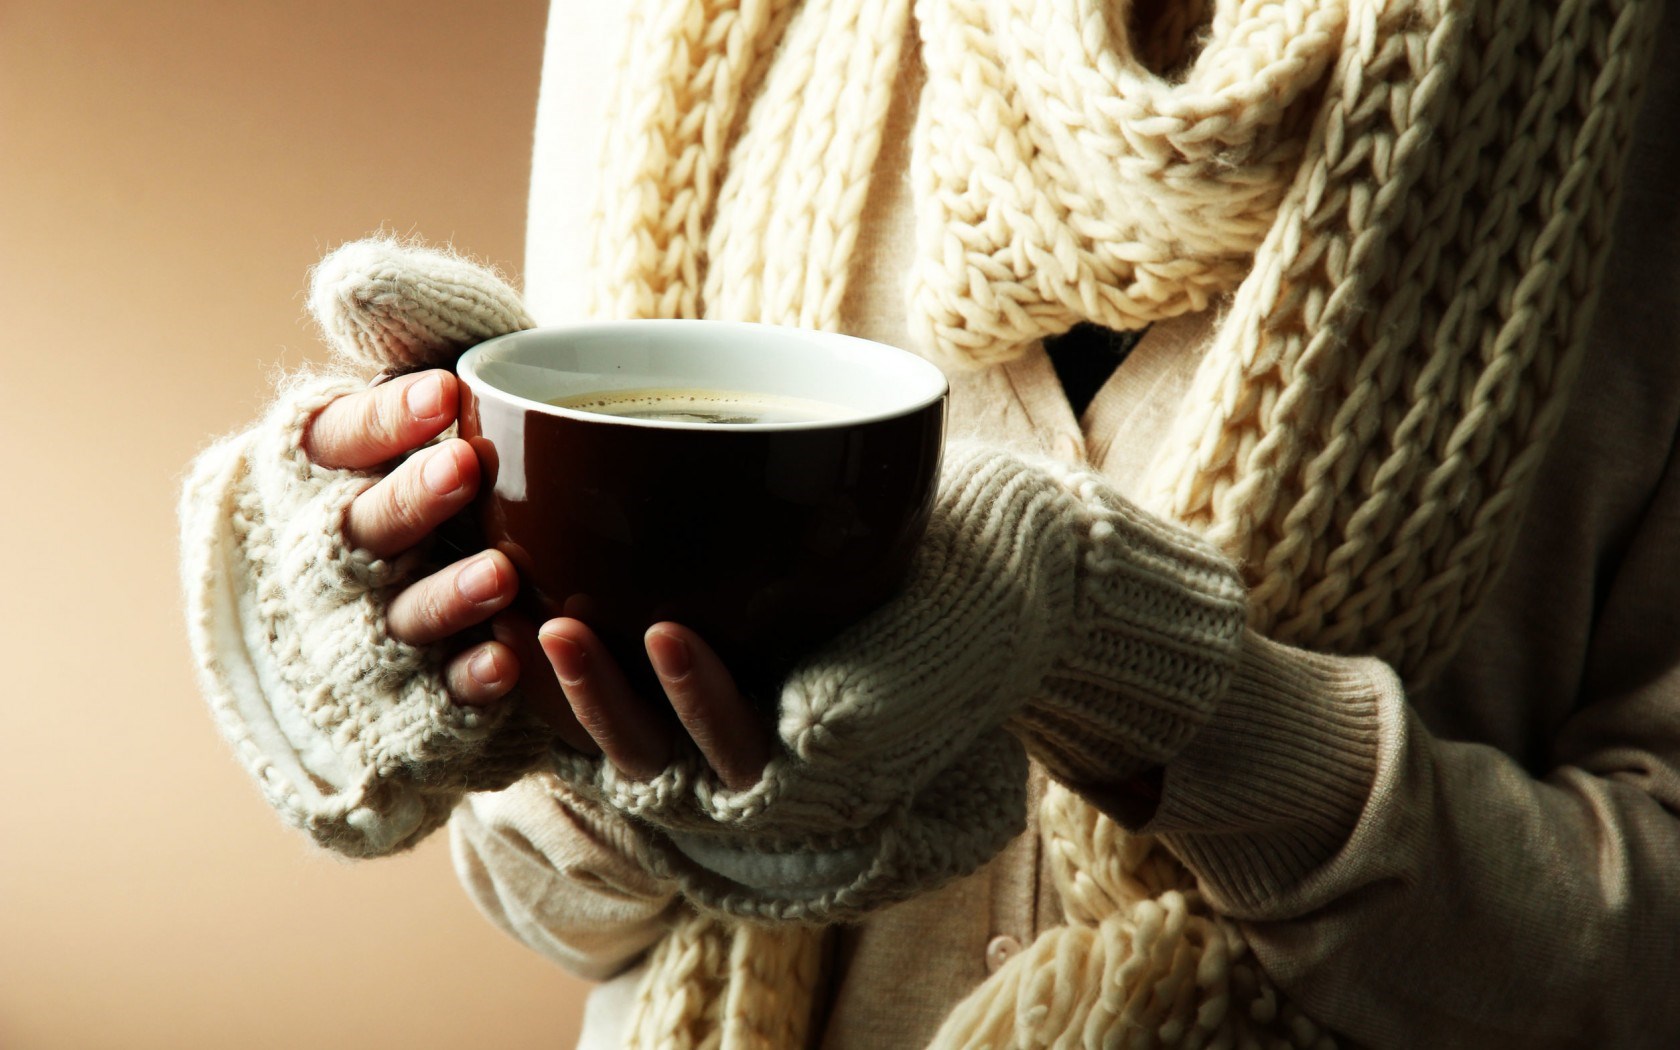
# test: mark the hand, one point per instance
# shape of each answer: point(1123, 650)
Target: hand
point(304, 535)
point(364, 431)
point(1041, 612)
point(633, 731)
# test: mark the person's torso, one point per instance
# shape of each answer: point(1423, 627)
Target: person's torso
point(898, 974)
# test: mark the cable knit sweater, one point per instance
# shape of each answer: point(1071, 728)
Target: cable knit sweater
point(1514, 820)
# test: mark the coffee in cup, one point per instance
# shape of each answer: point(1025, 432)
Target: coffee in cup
point(691, 405)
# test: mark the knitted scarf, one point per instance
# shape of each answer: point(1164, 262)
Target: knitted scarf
point(1407, 204)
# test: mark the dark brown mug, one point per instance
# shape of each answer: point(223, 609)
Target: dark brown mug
point(764, 537)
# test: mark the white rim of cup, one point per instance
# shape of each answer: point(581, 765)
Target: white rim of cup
point(467, 369)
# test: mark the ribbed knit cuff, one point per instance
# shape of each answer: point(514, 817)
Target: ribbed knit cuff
point(1152, 641)
point(1273, 786)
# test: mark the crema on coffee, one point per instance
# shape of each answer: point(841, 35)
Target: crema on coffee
point(688, 405)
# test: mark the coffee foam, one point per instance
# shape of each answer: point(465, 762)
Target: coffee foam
point(672, 404)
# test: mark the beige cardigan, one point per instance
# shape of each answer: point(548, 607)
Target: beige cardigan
point(1507, 861)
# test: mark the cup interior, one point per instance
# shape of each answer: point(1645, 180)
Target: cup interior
point(862, 380)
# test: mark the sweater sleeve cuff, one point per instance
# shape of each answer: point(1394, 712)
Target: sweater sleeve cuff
point(557, 872)
point(1274, 785)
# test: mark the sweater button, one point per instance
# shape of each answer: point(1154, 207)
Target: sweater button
point(999, 951)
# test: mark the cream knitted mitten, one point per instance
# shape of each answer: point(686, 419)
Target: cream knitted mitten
point(349, 732)
point(1042, 607)
point(383, 304)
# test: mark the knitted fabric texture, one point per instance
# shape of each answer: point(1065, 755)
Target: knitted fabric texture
point(1033, 589)
point(1403, 209)
point(382, 304)
point(349, 732)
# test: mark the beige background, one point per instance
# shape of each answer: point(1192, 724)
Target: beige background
point(167, 173)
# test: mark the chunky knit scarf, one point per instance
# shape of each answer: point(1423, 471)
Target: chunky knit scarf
point(1407, 204)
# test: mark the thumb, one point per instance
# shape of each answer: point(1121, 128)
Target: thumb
point(382, 304)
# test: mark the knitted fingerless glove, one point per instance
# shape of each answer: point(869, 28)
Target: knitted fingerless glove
point(1042, 607)
point(349, 732)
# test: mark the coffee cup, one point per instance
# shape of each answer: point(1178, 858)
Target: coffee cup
point(764, 486)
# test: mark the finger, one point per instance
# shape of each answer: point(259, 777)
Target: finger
point(482, 674)
point(538, 688)
point(634, 734)
point(369, 427)
point(452, 599)
point(722, 722)
point(411, 501)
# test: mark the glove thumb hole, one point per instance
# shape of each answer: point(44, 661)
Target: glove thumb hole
point(383, 304)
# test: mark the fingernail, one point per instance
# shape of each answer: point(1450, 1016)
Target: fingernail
point(424, 399)
point(483, 668)
point(571, 663)
point(668, 654)
point(478, 581)
point(441, 473)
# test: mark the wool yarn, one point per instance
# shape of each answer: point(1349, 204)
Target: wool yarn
point(383, 304)
point(1401, 208)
